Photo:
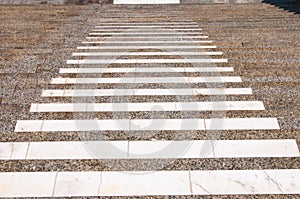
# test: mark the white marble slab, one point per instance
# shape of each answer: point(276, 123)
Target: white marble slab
point(13, 150)
point(148, 42)
point(143, 53)
point(77, 184)
point(148, 26)
point(170, 149)
point(148, 124)
point(143, 61)
point(245, 182)
point(110, 125)
point(70, 150)
point(146, 70)
point(65, 107)
point(166, 124)
point(29, 125)
point(53, 93)
point(117, 29)
point(147, 23)
point(141, 183)
point(144, 47)
point(146, 33)
point(78, 150)
point(147, 106)
point(256, 148)
point(146, 80)
point(149, 37)
point(222, 91)
point(85, 125)
point(21, 184)
point(146, 2)
point(150, 92)
point(242, 124)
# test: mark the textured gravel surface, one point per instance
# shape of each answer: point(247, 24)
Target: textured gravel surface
point(260, 42)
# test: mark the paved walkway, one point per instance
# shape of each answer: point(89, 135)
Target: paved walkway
point(151, 97)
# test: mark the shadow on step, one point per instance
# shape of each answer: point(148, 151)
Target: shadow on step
point(289, 5)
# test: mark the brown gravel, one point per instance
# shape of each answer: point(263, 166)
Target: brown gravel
point(36, 43)
point(24, 28)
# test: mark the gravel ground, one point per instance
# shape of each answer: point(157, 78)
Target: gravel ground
point(261, 43)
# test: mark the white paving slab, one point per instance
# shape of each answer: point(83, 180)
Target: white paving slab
point(245, 182)
point(53, 93)
point(146, 33)
point(150, 37)
point(68, 107)
point(213, 149)
point(148, 124)
point(13, 150)
point(146, 70)
point(241, 123)
point(146, 2)
point(147, 106)
point(145, 80)
point(117, 29)
point(147, 42)
point(143, 47)
point(148, 23)
point(77, 184)
point(151, 149)
point(110, 125)
point(256, 148)
point(170, 149)
point(143, 61)
point(142, 183)
point(28, 125)
point(78, 150)
point(31, 184)
point(143, 53)
point(220, 91)
point(146, 26)
point(150, 92)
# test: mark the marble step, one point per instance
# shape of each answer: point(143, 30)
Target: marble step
point(143, 183)
point(186, 149)
point(147, 124)
point(146, 106)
